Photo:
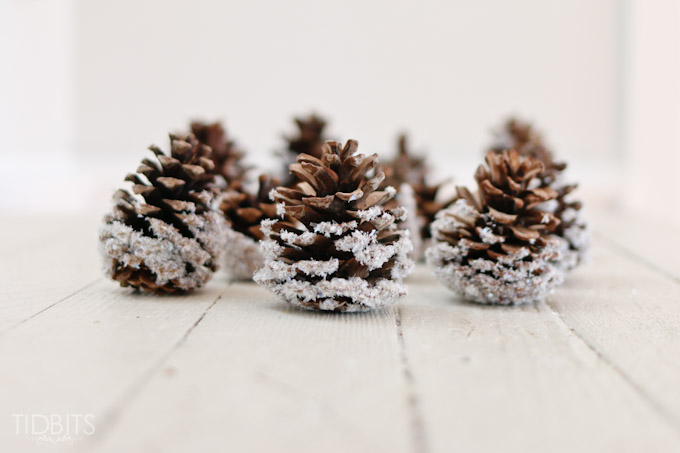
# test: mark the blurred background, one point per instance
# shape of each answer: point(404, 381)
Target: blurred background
point(87, 85)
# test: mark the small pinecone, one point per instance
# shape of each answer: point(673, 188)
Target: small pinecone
point(340, 249)
point(499, 246)
point(227, 157)
point(309, 140)
point(244, 211)
point(171, 240)
point(408, 173)
point(521, 136)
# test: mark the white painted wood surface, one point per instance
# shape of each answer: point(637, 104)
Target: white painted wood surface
point(596, 368)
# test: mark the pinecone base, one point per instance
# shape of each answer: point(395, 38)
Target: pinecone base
point(513, 282)
point(319, 290)
point(340, 294)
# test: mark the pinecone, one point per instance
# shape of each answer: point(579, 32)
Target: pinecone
point(227, 157)
point(573, 226)
point(409, 173)
point(244, 211)
point(521, 136)
point(340, 249)
point(310, 140)
point(499, 246)
point(171, 240)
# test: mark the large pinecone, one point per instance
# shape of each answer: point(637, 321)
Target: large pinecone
point(227, 156)
point(309, 140)
point(521, 136)
point(499, 246)
point(168, 237)
point(340, 249)
point(245, 210)
point(409, 173)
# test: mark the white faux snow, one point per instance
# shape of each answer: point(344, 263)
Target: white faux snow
point(278, 270)
point(266, 226)
point(331, 228)
point(579, 239)
point(331, 292)
point(459, 215)
point(494, 282)
point(306, 238)
point(167, 253)
point(369, 214)
point(508, 280)
point(242, 255)
point(488, 237)
point(280, 209)
point(412, 222)
point(368, 251)
point(364, 296)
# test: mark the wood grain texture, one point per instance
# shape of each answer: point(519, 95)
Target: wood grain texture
point(630, 316)
point(518, 379)
point(44, 262)
point(652, 241)
point(256, 376)
point(87, 354)
point(230, 368)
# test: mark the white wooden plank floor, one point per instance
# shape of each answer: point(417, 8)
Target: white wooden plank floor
point(595, 368)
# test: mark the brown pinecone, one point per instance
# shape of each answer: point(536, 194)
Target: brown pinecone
point(244, 211)
point(520, 135)
point(340, 249)
point(408, 173)
point(168, 237)
point(500, 246)
point(226, 155)
point(309, 140)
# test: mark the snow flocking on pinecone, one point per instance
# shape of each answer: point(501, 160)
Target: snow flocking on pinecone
point(523, 137)
point(244, 210)
point(167, 236)
point(338, 248)
point(498, 246)
point(409, 173)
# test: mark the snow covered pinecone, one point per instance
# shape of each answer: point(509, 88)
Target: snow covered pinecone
point(498, 246)
point(244, 211)
point(523, 137)
point(409, 173)
point(309, 140)
point(168, 237)
point(228, 158)
point(339, 249)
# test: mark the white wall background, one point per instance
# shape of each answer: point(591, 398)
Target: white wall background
point(445, 69)
point(651, 127)
point(37, 76)
point(101, 80)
